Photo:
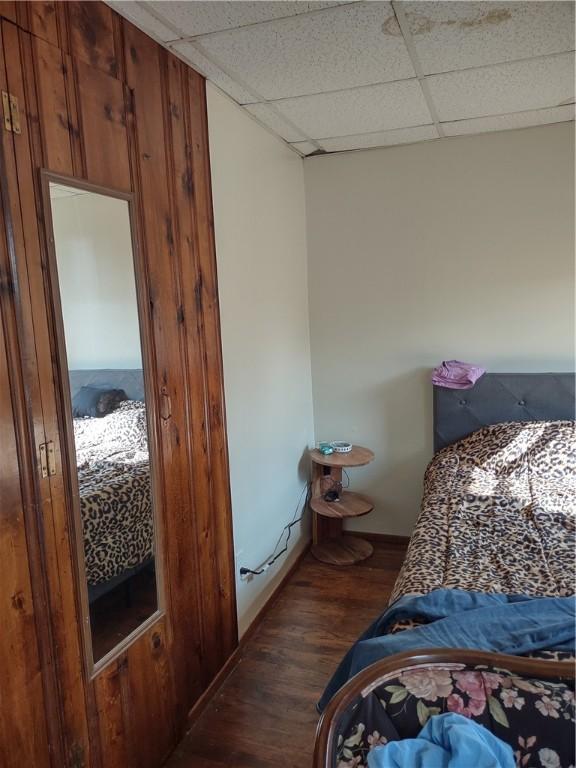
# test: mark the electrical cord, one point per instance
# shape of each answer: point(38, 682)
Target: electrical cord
point(275, 555)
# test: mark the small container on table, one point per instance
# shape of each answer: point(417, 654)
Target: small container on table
point(329, 544)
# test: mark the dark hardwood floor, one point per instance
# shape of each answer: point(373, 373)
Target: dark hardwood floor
point(264, 715)
point(117, 613)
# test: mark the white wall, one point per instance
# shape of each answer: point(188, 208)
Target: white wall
point(96, 277)
point(462, 248)
point(258, 193)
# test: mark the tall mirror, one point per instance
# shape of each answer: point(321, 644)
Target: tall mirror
point(93, 264)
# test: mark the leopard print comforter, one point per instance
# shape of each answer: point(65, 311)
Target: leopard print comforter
point(498, 514)
point(115, 493)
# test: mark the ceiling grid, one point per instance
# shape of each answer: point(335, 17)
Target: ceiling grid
point(407, 35)
point(336, 76)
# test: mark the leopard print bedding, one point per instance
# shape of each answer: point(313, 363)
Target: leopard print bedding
point(498, 514)
point(115, 493)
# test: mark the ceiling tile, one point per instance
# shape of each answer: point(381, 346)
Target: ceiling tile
point(343, 47)
point(58, 191)
point(201, 18)
point(145, 21)
point(506, 122)
point(455, 35)
point(515, 87)
point(341, 71)
point(195, 57)
point(361, 110)
point(270, 117)
point(380, 139)
point(304, 147)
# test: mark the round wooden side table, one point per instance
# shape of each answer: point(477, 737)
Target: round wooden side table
point(329, 544)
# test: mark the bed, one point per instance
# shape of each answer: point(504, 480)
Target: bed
point(497, 516)
point(496, 513)
point(498, 509)
point(114, 483)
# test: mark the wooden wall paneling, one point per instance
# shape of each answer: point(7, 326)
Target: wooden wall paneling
point(43, 20)
point(11, 148)
point(192, 637)
point(23, 728)
point(146, 715)
point(135, 703)
point(39, 18)
point(150, 675)
point(113, 707)
point(141, 681)
point(91, 35)
point(145, 666)
point(146, 75)
point(118, 35)
point(150, 83)
point(29, 426)
point(25, 735)
point(206, 289)
point(205, 502)
point(8, 10)
point(144, 669)
point(53, 111)
point(148, 135)
point(103, 128)
point(59, 554)
point(71, 87)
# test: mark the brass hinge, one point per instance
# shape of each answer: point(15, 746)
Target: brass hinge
point(11, 112)
point(47, 459)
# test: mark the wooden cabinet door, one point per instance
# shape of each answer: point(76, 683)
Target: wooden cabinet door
point(61, 643)
point(101, 102)
point(29, 735)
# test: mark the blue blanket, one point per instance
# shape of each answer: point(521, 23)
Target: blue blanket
point(513, 624)
point(446, 741)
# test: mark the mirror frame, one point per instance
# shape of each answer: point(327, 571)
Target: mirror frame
point(64, 406)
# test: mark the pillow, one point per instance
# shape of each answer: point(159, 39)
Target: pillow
point(95, 402)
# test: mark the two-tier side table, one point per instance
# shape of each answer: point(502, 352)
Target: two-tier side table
point(329, 543)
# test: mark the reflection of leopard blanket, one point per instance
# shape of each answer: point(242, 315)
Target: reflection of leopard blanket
point(120, 436)
point(498, 514)
point(115, 494)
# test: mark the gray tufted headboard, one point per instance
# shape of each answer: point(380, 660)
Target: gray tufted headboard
point(130, 380)
point(499, 397)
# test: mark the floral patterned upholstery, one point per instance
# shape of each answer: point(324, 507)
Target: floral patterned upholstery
point(536, 717)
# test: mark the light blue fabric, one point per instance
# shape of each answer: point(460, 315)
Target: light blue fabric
point(446, 741)
point(514, 624)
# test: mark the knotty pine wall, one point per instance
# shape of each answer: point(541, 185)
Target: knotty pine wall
point(99, 100)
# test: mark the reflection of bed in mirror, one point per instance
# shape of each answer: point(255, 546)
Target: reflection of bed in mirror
point(100, 347)
point(114, 479)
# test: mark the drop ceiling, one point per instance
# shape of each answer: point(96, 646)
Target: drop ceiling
point(336, 76)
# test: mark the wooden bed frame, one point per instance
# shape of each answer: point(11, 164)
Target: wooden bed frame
point(371, 677)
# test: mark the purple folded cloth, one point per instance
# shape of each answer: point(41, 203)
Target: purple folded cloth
point(454, 374)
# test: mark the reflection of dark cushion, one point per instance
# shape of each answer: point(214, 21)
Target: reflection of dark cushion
point(92, 401)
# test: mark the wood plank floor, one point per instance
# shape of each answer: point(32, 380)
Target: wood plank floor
point(264, 715)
